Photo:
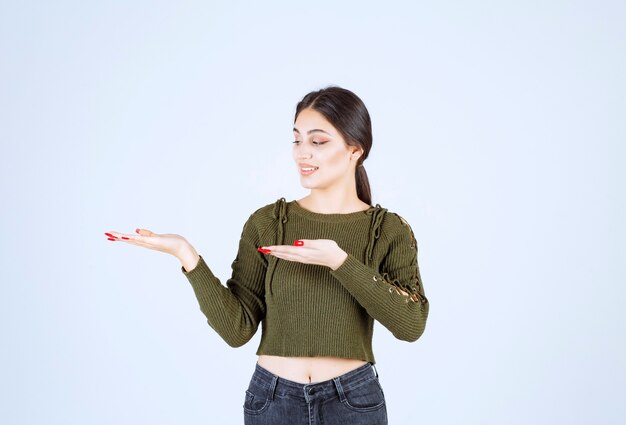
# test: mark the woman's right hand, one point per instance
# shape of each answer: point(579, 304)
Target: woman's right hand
point(169, 243)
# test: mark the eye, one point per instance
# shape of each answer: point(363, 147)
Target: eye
point(315, 142)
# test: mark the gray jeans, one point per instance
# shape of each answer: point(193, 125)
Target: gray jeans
point(354, 398)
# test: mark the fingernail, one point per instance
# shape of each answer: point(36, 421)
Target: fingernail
point(137, 230)
point(110, 235)
point(263, 250)
point(124, 237)
point(298, 242)
point(111, 239)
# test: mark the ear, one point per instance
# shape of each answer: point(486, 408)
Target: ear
point(356, 152)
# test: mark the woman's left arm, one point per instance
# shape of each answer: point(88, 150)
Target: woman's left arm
point(395, 296)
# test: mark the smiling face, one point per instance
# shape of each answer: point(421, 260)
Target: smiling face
point(321, 154)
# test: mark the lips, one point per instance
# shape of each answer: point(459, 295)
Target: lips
point(307, 169)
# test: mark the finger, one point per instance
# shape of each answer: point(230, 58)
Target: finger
point(144, 232)
point(304, 242)
point(117, 235)
point(284, 249)
point(140, 243)
point(286, 256)
point(123, 236)
point(310, 243)
point(136, 240)
point(296, 253)
point(298, 257)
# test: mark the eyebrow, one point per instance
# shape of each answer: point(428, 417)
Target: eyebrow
point(312, 131)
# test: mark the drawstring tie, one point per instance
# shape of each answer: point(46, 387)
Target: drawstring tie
point(378, 214)
point(279, 212)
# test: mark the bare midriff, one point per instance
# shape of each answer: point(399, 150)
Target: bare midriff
point(306, 370)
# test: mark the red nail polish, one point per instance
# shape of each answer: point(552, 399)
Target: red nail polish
point(264, 251)
point(137, 230)
point(112, 239)
point(109, 235)
point(298, 242)
point(124, 237)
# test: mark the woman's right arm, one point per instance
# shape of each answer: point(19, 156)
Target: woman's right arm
point(234, 311)
point(188, 258)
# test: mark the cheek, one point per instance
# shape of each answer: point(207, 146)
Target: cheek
point(336, 158)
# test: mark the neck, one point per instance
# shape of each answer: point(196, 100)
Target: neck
point(339, 199)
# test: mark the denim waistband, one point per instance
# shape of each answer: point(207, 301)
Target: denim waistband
point(308, 392)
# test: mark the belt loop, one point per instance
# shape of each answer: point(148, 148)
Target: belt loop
point(375, 370)
point(342, 396)
point(272, 387)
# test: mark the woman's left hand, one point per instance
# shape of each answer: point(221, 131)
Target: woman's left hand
point(324, 252)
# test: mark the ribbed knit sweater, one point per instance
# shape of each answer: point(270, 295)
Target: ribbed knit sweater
point(311, 310)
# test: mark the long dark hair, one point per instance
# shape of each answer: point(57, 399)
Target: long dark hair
point(348, 114)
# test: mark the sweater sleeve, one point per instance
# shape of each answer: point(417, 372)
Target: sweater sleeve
point(395, 296)
point(236, 310)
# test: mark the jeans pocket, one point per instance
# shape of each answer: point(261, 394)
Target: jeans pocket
point(256, 401)
point(366, 397)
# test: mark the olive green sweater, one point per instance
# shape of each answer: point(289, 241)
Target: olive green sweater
point(311, 310)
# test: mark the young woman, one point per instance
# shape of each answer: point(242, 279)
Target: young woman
point(316, 299)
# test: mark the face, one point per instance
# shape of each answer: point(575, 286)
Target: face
point(318, 145)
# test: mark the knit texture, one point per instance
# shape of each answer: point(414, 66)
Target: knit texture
point(311, 310)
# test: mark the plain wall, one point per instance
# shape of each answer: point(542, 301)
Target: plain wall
point(498, 135)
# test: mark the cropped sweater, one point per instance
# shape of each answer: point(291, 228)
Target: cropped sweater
point(312, 310)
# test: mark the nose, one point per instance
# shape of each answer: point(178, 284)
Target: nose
point(303, 152)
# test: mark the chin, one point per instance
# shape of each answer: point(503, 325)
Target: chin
point(307, 184)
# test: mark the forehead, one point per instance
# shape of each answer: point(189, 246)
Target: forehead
point(310, 119)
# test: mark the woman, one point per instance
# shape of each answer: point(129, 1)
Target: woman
point(350, 263)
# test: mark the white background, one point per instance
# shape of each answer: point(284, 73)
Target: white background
point(499, 135)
